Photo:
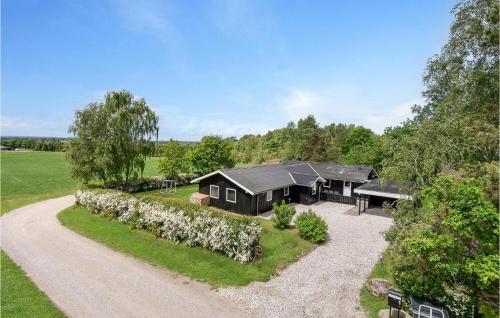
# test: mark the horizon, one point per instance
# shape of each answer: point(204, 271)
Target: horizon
point(238, 68)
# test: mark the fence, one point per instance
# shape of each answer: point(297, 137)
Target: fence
point(338, 198)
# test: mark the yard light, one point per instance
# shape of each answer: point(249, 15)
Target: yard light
point(381, 258)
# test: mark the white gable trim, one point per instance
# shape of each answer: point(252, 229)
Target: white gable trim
point(314, 169)
point(225, 176)
point(292, 178)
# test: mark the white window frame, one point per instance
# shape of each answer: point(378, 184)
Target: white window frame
point(215, 186)
point(314, 189)
point(328, 183)
point(269, 194)
point(227, 191)
point(286, 191)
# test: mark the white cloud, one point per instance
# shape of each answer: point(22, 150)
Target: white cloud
point(14, 126)
point(241, 17)
point(299, 103)
point(177, 124)
point(330, 104)
point(344, 105)
point(393, 116)
point(145, 15)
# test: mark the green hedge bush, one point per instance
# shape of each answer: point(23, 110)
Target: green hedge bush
point(312, 227)
point(283, 215)
point(237, 237)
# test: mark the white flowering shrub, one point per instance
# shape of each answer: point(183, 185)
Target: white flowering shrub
point(237, 237)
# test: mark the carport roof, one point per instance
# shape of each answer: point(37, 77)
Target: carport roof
point(387, 189)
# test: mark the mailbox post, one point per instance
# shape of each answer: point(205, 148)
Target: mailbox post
point(394, 300)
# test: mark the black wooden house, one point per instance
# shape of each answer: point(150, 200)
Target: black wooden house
point(253, 190)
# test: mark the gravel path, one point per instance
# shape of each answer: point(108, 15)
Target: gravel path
point(326, 282)
point(86, 279)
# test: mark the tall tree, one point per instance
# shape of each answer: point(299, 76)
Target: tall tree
point(458, 125)
point(445, 245)
point(448, 249)
point(112, 139)
point(173, 159)
point(211, 154)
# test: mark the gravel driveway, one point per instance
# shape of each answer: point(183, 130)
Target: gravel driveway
point(326, 282)
point(86, 279)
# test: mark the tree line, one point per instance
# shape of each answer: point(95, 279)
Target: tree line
point(306, 140)
point(36, 144)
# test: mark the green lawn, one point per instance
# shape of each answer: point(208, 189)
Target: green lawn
point(20, 297)
point(183, 193)
point(373, 304)
point(28, 177)
point(279, 249)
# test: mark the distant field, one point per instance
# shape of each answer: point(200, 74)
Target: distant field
point(28, 177)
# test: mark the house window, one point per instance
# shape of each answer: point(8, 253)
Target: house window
point(214, 191)
point(328, 183)
point(347, 184)
point(231, 195)
point(314, 189)
point(286, 191)
point(269, 195)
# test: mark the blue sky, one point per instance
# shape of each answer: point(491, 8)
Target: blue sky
point(217, 67)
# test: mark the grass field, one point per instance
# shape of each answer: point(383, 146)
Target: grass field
point(279, 249)
point(181, 193)
point(20, 297)
point(373, 304)
point(28, 177)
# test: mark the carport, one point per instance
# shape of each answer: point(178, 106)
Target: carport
point(374, 193)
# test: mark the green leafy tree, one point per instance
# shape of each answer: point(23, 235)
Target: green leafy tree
point(283, 215)
point(448, 249)
point(304, 140)
point(112, 139)
point(211, 154)
point(458, 125)
point(173, 159)
point(333, 136)
point(356, 136)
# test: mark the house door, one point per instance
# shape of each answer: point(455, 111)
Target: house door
point(347, 189)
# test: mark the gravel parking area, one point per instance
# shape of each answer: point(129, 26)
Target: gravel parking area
point(327, 281)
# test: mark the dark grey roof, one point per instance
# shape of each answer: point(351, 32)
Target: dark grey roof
point(304, 179)
point(302, 168)
point(260, 178)
point(337, 171)
point(387, 187)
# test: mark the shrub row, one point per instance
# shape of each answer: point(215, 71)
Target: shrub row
point(143, 184)
point(236, 237)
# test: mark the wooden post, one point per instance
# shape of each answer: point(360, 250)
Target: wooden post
point(359, 205)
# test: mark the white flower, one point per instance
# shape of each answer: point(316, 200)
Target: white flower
point(235, 237)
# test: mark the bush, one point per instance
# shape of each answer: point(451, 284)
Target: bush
point(237, 237)
point(312, 227)
point(283, 215)
point(144, 184)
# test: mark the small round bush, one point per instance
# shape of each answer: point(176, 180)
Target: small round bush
point(312, 227)
point(283, 215)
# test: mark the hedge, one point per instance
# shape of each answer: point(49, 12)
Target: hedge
point(236, 237)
